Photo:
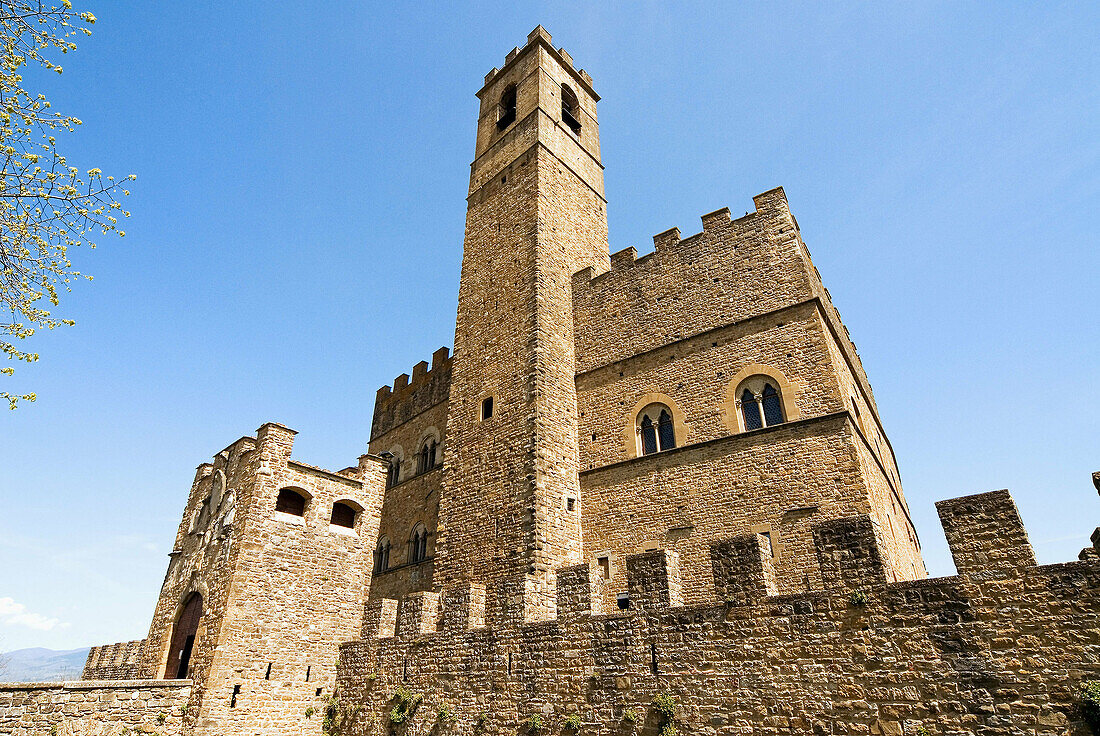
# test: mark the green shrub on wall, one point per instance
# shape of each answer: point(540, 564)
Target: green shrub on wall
point(1090, 705)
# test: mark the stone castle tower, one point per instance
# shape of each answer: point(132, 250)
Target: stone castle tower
point(635, 475)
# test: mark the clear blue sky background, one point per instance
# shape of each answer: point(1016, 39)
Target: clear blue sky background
point(298, 224)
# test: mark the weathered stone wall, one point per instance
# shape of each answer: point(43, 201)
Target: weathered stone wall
point(780, 480)
point(94, 708)
point(536, 215)
point(279, 591)
point(121, 661)
point(415, 498)
point(297, 591)
point(999, 648)
point(685, 324)
point(429, 387)
point(733, 270)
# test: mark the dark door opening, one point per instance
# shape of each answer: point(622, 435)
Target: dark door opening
point(183, 639)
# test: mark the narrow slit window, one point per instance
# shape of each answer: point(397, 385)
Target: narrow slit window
point(393, 473)
point(487, 408)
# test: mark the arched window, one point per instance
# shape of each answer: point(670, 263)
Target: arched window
point(570, 108)
point(343, 514)
point(426, 458)
point(760, 403)
point(418, 544)
point(773, 409)
point(393, 473)
point(382, 556)
point(656, 431)
point(506, 110)
point(750, 410)
point(291, 501)
point(183, 639)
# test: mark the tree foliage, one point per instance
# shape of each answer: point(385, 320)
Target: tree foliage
point(47, 206)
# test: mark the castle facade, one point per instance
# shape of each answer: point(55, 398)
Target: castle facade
point(643, 494)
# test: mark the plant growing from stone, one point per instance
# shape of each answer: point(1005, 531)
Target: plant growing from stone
point(858, 598)
point(310, 712)
point(572, 723)
point(533, 723)
point(445, 714)
point(665, 705)
point(630, 717)
point(405, 706)
point(1090, 704)
point(481, 721)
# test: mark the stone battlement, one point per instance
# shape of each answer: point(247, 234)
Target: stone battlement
point(542, 36)
point(769, 204)
point(984, 531)
point(1001, 647)
point(119, 661)
point(409, 396)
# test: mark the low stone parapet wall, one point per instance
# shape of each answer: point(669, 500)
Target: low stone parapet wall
point(93, 707)
point(120, 661)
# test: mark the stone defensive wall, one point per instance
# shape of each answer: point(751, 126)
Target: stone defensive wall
point(732, 270)
point(407, 398)
point(94, 708)
point(1001, 647)
point(121, 661)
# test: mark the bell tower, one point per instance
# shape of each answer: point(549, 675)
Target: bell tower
point(510, 507)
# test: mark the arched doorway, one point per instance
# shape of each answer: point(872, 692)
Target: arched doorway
point(183, 639)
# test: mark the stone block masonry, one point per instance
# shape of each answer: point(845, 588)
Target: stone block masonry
point(635, 477)
point(94, 708)
point(997, 650)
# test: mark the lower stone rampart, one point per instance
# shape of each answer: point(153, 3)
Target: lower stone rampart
point(94, 708)
point(1000, 648)
point(120, 661)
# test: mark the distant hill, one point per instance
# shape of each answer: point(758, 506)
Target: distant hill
point(42, 665)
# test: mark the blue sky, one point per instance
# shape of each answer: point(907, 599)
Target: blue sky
point(298, 222)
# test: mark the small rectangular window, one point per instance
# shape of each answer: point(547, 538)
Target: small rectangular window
point(771, 545)
point(570, 503)
point(623, 601)
point(604, 564)
point(487, 408)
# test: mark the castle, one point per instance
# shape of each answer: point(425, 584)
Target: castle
point(643, 495)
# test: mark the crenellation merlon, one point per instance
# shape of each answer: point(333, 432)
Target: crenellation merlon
point(667, 238)
point(769, 204)
point(986, 535)
point(541, 37)
point(428, 386)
